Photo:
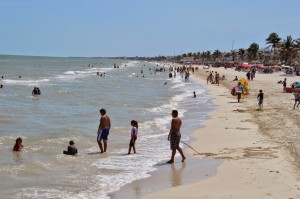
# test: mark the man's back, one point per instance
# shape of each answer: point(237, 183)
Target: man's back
point(176, 124)
point(105, 122)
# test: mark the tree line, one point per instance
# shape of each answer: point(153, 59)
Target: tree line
point(284, 51)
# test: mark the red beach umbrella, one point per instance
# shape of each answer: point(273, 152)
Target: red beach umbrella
point(244, 65)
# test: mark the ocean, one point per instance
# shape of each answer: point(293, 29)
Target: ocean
point(68, 109)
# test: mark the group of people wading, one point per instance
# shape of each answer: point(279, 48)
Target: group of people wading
point(174, 136)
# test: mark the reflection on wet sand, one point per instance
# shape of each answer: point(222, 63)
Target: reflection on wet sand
point(169, 175)
point(177, 174)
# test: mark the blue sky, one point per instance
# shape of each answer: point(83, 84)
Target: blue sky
point(141, 27)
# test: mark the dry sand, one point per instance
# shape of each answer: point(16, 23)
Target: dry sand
point(259, 149)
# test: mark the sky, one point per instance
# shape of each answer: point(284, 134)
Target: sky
point(111, 28)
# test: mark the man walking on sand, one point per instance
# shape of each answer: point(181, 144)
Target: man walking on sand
point(103, 130)
point(174, 136)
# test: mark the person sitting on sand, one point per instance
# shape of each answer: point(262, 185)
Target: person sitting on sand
point(235, 79)
point(18, 146)
point(72, 150)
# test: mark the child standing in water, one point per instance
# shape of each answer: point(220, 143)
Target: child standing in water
point(134, 131)
point(18, 146)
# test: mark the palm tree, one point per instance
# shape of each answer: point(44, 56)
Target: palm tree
point(242, 53)
point(274, 40)
point(226, 56)
point(216, 54)
point(252, 51)
point(197, 56)
point(233, 55)
point(203, 55)
point(178, 58)
point(288, 50)
point(208, 55)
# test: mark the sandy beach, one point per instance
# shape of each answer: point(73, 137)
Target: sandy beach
point(259, 149)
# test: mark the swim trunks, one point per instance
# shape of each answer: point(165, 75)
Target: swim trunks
point(103, 134)
point(174, 140)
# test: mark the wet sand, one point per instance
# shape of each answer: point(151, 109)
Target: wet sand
point(258, 148)
point(170, 175)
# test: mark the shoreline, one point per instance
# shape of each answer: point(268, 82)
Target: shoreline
point(255, 163)
point(194, 169)
point(167, 176)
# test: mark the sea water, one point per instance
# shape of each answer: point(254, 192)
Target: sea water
point(68, 109)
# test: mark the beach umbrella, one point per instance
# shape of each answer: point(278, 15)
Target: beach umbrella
point(244, 65)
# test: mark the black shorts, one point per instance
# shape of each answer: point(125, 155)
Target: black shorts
point(132, 142)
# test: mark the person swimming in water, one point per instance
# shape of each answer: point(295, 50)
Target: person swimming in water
point(36, 91)
point(194, 94)
point(18, 146)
